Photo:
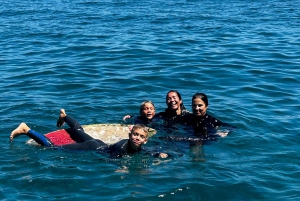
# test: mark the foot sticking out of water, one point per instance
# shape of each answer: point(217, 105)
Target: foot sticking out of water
point(21, 129)
point(62, 115)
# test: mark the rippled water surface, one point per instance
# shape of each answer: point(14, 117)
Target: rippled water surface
point(100, 59)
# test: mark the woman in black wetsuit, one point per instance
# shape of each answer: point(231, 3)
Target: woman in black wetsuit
point(175, 107)
point(137, 137)
point(203, 123)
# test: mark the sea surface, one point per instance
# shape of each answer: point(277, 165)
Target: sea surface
point(100, 59)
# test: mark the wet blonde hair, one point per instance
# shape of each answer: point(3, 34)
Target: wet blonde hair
point(142, 127)
point(144, 103)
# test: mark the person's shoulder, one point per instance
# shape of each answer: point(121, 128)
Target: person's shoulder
point(213, 120)
point(122, 143)
point(208, 116)
point(186, 118)
point(160, 114)
point(140, 120)
point(118, 149)
point(188, 115)
point(185, 112)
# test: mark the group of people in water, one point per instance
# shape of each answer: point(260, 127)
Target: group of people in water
point(202, 124)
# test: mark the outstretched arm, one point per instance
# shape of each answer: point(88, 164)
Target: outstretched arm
point(225, 129)
point(126, 117)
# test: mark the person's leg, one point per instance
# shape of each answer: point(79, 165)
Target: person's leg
point(39, 138)
point(76, 128)
point(24, 129)
point(87, 145)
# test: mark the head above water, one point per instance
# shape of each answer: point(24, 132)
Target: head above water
point(174, 101)
point(199, 104)
point(138, 136)
point(147, 109)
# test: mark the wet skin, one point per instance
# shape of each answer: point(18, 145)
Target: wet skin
point(148, 111)
point(137, 138)
point(173, 102)
point(199, 107)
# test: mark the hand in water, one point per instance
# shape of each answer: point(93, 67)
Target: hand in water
point(163, 155)
point(223, 133)
point(126, 117)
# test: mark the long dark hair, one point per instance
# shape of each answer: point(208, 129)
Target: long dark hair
point(202, 96)
point(179, 96)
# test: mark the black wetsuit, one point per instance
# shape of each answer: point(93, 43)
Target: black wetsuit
point(86, 141)
point(205, 125)
point(154, 123)
point(170, 116)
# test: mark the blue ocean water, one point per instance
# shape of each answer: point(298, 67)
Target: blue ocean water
point(100, 59)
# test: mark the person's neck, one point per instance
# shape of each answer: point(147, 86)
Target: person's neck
point(134, 148)
point(145, 119)
point(178, 111)
point(201, 117)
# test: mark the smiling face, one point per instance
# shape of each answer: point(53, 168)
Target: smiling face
point(199, 107)
point(147, 111)
point(173, 101)
point(138, 136)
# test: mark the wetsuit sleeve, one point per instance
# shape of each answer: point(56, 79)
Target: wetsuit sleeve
point(215, 122)
point(155, 153)
point(119, 149)
point(39, 138)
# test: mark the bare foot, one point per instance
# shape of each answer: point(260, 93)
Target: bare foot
point(61, 121)
point(22, 128)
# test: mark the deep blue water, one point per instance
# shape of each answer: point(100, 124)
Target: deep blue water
point(100, 59)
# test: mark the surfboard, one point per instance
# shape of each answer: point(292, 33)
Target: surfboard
point(108, 133)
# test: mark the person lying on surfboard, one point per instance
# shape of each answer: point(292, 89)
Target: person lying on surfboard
point(138, 136)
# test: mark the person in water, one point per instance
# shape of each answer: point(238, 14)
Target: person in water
point(138, 136)
point(147, 113)
point(203, 123)
point(175, 108)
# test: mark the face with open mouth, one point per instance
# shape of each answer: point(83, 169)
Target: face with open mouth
point(173, 101)
point(147, 111)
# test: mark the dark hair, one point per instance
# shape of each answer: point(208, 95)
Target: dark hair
point(202, 96)
point(179, 96)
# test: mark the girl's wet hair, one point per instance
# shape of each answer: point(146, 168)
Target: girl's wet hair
point(202, 96)
point(179, 96)
point(144, 103)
